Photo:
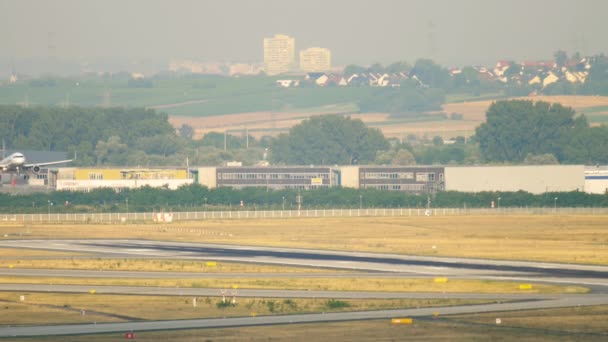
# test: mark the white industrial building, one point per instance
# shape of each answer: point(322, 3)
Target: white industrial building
point(596, 179)
point(535, 179)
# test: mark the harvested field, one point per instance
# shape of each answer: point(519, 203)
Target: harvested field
point(475, 110)
point(273, 123)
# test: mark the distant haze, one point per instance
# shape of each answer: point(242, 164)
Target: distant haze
point(453, 32)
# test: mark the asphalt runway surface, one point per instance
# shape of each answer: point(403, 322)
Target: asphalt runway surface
point(378, 262)
point(364, 264)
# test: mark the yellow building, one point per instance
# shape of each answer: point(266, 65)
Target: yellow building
point(315, 59)
point(279, 54)
point(86, 179)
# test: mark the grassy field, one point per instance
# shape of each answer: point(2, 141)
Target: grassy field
point(559, 238)
point(7, 253)
point(55, 308)
point(308, 284)
point(518, 326)
point(190, 96)
point(166, 265)
point(568, 238)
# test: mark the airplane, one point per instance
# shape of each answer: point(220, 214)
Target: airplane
point(16, 162)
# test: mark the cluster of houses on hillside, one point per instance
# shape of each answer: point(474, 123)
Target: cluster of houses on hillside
point(369, 79)
point(541, 73)
point(533, 73)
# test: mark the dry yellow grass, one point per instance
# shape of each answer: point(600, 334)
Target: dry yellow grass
point(18, 313)
point(382, 330)
point(169, 265)
point(576, 319)
point(311, 284)
point(568, 238)
point(126, 308)
point(31, 253)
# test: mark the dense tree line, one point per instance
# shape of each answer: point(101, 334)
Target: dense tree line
point(514, 132)
point(517, 130)
point(91, 133)
point(119, 137)
point(328, 140)
point(196, 198)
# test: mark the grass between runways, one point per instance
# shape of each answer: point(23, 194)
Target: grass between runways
point(7, 253)
point(56, 308)
point(167, 265)
point(569, 324)
point(311, 284)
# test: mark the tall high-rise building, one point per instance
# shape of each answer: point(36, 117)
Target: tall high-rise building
point(315, 59)
point(279, 54)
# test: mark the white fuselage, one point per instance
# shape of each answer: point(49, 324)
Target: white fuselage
point(13, 162)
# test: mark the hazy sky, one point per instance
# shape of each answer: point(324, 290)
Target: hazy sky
point(454, 32)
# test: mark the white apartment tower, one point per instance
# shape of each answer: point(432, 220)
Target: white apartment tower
point(315, 59)
point(279, 54)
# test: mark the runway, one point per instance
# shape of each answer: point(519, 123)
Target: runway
point(378, 265)
point(377, 262)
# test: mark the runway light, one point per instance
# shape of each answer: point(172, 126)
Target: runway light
point(92, 291)
point(525, 286)
point(402, 321)
point(211, 264)
point(441, 280)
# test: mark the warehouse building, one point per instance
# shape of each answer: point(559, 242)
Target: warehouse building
point(536, 179)
point(410, 179)
point(87, 179)
point(407, 179)
point(274, 177)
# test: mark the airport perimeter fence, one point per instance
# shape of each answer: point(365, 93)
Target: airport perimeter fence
point(167, 217)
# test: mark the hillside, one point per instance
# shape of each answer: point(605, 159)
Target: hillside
point(473, 112)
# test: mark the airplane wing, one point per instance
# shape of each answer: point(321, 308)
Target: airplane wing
point(28, 166)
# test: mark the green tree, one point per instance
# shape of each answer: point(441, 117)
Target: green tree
point(540, 159)
point(514, 129)
point(561, 58)
point(353, 69)
point(597, 81)
point(186, 131)
point(587, 145)
point(403, 157)
point(514, 69)
point(111, 151)
point(328, 139)
point(399, 67)
point(376, 68)
point(431, 74)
